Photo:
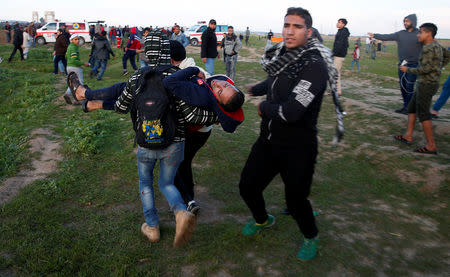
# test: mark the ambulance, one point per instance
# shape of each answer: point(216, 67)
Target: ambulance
point(194, 33)
point(47, 32)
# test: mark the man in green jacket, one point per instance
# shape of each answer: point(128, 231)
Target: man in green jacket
point(74, 64)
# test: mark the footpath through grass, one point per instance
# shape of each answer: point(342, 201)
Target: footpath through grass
point(384, 209)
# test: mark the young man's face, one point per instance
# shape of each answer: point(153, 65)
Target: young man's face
point(177, 30)
point(230, 31)
point(295, 32)
point(340, 24)
point(223, 90)
point(423, 35)
point(75, 41)
point(407, 23)
point(145, 33)
point(212, 26)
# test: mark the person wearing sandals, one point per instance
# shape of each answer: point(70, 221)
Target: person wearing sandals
point(431, 60)
point(74, 64)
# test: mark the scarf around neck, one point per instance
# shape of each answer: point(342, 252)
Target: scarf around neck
point(291, 63)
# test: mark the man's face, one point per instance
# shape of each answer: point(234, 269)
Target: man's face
point(407, 23)
point(177, 30)
point(340, 24)
point(145, 33)
point(423, 35)
point(212, 26)
point(230, 31)
point(223, 90)
point(295, 33)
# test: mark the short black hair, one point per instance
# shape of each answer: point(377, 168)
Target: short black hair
point(302, 13)
point(147, 29)
point(230, 27)
point(430, 27)
point(343, 20)
point(235, 102)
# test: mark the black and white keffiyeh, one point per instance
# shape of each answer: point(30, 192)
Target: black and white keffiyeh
point(291, 63)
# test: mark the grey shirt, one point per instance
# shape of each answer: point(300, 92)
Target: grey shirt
point(407, 43)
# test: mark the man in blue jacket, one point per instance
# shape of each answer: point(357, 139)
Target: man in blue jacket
point(409, 49)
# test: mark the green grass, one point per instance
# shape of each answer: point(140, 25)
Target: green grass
point(84, 219)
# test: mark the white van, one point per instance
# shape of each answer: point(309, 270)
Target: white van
point(194, 34)
point(47, 32)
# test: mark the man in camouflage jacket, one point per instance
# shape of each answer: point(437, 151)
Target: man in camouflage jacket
point(431, 60)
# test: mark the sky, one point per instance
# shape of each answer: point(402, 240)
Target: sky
point(381, 16)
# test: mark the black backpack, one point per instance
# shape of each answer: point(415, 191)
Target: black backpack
point(155, 117)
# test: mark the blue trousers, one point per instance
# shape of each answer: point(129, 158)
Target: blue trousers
point(407, 81)
point(443, 97)
point(109, 95)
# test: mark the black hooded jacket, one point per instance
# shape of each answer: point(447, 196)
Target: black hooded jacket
point(209, 44)
point(18, 36)
point(101, 48)
point(340, 45)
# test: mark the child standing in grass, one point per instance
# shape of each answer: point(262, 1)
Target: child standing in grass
point(356, 56)
point(431, 60)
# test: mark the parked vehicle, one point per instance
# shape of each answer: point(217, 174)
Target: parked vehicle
point(47, 32)
point(194, 33)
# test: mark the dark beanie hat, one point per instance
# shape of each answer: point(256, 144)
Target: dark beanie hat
point(177, 51)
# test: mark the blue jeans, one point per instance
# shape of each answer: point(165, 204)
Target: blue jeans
point(99, 64)
point(444, 96)
point(143, 63)
point(407, 81)
point(209, 65)
point(169, 161)
point(113, 41)
point(59, 62)
point(357, 64)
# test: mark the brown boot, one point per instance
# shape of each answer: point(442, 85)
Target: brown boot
point(186, 222)
point(152, 233)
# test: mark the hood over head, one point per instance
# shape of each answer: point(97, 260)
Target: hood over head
point(413, 19)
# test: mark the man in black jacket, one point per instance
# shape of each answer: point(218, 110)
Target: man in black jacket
point(287, 144)
point(17, 42)
point(209, 47)
point(340, 47)
point(100, 52)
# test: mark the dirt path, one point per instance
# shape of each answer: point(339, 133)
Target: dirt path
point(46, 148)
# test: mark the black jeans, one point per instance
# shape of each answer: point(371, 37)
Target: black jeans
point(56, 61)
point(184, 180)
point(14, 52)
point(296, 167)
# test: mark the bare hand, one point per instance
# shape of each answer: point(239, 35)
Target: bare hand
point(54, 53)
point(403, 68)
point(201, 75)
point(204, 60)
point(86, 64)
point(259, 110)
point(249, 89)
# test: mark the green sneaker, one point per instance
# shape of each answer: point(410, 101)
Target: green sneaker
point(252, 228)
point(309, 249)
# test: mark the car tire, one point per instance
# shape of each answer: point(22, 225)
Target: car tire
point(82, 41)
point(40, 40)
point(194, 42)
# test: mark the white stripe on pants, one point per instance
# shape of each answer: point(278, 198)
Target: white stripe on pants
point(338, 64)
point(79, 72)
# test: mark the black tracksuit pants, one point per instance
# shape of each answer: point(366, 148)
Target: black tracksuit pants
point(296, 167)
point(184, 180)
point(16, 47)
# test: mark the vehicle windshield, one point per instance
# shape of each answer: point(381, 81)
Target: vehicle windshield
point(193, 28)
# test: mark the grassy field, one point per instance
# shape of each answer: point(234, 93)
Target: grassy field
point(384, 209)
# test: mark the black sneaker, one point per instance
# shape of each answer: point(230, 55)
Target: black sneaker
point(193, 207)
point(402, 111)
point(125, 72)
